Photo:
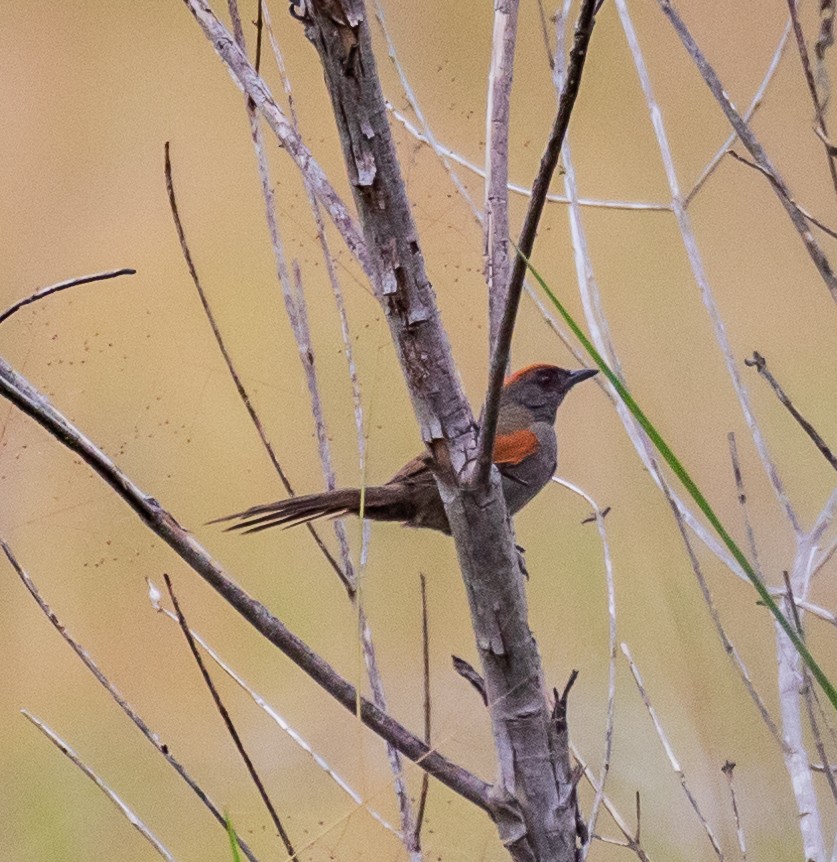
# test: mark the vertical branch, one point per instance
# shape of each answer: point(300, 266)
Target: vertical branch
point(500, 74)
point(819, 113)
point(684, 224)
point(549, 161)
point(297, 314)
point(228, 723)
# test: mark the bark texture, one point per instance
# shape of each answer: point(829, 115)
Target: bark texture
point(531, 798)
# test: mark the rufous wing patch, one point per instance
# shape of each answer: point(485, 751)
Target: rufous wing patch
point(513, 448)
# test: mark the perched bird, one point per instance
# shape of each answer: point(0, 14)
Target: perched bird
point(525, 452)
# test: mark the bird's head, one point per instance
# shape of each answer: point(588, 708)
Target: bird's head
point(541, 388)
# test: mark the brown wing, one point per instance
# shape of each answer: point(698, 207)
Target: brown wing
point(415, 470)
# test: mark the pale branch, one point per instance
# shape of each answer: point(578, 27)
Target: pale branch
point(30, 401)
point(228, 723)
point(525, 799)
point(117, 696)
point(599, 518)
point(808, 215)
point(526, 241)
point(695, 258)
point(754, 105)
point(126, 811)
point(672, 758)
point(497, 114)
point(445, 153)
point(756, 150)
point(227, 357)
point(819, 113)
point(62, 285)
point(758, 362)
point(155, 596)
point(253, 86)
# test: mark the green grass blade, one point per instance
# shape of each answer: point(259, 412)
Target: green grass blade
point(694, 492)
point(234, 846)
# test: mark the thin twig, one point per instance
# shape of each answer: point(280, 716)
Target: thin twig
point(275, 716)
point(811, 218)
point(672, 759)
point(809, 693)
point(742, 501)
point(63, 285)
point(713, 163)
point(632, 839)
point(756, 150)
point(228, 722)
point(16, 389)
point(239, 386)
point(117, 696)
point(758, 362)
point(611, 683)
point(246, 77)
point(497, 113)
point(549, 161)
point(819, 113)
point(446, 153)
point(428, 711)
point(129, 815)
point(684, 224)
point(728, 768)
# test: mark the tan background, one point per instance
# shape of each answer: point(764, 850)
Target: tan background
point(88, 97)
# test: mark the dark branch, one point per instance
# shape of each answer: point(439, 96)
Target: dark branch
point(228, 722)
point(526, 242)
point(742, 129)
point(63, 285)
point(239, 386)
point(21, 393)
point(758, 362)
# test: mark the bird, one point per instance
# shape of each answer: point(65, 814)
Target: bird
point(525, 452)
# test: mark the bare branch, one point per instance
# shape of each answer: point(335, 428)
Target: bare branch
point(123, 704)
point(428, 710)
point(298, 739)
point(228, 722)
point(599, 518)
point(755, 104)
point(63, 285)
point(239, 386)
point(248, 80)
point(819, 113)
point(526, 242)
point(675, 765)
point(30, 401)
point(764, 172)
point(684, 224)
point(728, 768)
point(760, 364)
point(128, 813)
point(497, 113)
point(755, 148)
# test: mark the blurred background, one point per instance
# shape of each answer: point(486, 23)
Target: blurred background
point(88, 98)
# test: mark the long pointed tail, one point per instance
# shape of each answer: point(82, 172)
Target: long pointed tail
point(296, 510)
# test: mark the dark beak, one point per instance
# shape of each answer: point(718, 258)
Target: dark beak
point(581, 374)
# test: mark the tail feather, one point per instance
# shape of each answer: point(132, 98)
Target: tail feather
point(294, 510)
